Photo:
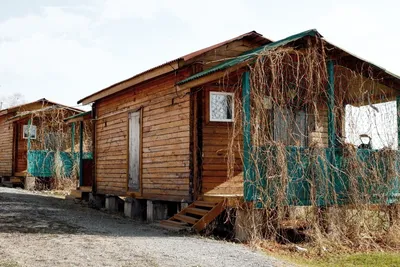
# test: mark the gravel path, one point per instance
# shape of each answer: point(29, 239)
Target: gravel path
point(39, 230)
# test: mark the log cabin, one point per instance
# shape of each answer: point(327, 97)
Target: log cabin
point(165, 135)
point(24, 132)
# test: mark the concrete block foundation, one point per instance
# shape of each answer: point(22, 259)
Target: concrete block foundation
point(134, 208)
point(156, 210)
point(248, 223)
point(111, 203)
point(96, 201)
point(30, 183)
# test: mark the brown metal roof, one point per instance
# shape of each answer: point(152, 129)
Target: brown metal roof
point(252, 36)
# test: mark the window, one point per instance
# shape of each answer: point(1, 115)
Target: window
point(29, 132)
point(221, 106)
point(290, 127)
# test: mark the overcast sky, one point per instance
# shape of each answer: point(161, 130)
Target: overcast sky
point(64, 50)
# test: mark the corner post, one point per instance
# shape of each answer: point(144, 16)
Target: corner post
point(332, 137)
point(81, 154)
point(397, 179)
point(249, 189)
point(398, 121)
point(28, 143)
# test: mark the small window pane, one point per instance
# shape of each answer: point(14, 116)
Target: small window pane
point(29, 131)
point(221, 107)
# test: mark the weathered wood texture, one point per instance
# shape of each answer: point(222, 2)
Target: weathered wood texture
point(318, 137)
point(13, 148)
point(134, 151)
point(166, 134)
point(227, 51)
point(6, 146)
point(21, 147)
point(165, 139)
point(216, 138)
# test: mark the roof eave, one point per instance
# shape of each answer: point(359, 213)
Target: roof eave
point(134, 80)
point(162, 69)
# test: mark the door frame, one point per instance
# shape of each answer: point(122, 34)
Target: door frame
point(15, 148)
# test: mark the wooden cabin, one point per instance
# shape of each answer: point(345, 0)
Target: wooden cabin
point(163, 135)
point(144, 127)
point(22, 130)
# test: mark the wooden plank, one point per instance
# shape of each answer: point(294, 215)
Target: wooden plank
point(166, 186)
point(166, 181)
point(130, 82)
point(206, 204)
point(209, 217)
point(185, 218)
point(196, 211)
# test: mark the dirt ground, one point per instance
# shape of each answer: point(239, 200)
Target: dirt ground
point(40, 230)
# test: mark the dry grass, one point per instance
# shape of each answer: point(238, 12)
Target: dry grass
point(289, 103)
point(54, 136)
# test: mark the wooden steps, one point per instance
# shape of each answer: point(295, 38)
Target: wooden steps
point(196, 216)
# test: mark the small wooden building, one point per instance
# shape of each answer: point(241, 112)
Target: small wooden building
point(27, 128)
point(164, 134)
point(145, 130)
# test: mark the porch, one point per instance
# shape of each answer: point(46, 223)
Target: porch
point(292, 127)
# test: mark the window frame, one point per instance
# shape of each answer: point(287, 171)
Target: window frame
point(232, 106)
point(29, 128)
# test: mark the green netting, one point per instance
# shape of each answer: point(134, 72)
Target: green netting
point(326, 177)
point(41, 163)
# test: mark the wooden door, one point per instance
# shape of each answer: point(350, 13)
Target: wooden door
point(134, 151)
point(21, 150)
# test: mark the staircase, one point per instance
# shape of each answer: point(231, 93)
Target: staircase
point(196, 216)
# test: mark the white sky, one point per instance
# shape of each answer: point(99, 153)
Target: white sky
point(65, 50)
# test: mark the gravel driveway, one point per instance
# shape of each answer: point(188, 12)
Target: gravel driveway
point(39, 230)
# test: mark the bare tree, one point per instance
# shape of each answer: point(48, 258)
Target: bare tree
point(15, 99)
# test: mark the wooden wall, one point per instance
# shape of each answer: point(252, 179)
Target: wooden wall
point(318, 137)
point(216, 137)
point(6, 146)
point(165, 144)
point(21, 149)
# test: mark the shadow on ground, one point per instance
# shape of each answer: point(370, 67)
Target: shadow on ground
point(23, 212)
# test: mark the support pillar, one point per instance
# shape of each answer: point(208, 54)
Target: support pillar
point(249, 186)
point(81, 154)
point(398, 121)
point(156, 210)
point(332, 139)
point(134, 208)
point(73, 139)
point(111, 203)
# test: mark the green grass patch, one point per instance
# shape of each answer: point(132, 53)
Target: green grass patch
point(8, 264)
point(376, 259)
